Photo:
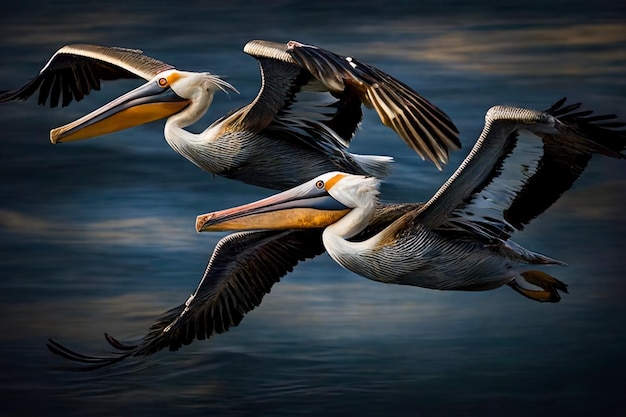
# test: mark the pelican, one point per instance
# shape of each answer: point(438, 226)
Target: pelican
point(447, 243)
point(459, 239)
point(298, 126)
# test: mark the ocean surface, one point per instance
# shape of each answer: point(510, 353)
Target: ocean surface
point(98, 236)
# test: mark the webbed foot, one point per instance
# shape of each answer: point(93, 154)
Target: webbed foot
point(538, 286)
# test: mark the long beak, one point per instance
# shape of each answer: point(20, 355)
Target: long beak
point(142, 105)
point(302, 207)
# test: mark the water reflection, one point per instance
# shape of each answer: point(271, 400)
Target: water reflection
point(540, 49)
point(98, 236)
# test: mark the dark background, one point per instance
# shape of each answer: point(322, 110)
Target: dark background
point(99, 235)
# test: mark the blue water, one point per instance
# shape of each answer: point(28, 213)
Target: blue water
point(98, 236)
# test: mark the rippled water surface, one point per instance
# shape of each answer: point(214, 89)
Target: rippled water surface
point(98, 236)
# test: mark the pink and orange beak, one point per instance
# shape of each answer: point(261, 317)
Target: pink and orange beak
point(303, 207)
point(152, 101)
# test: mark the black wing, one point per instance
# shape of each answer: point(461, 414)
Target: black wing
point(522, 163)
point(292, 103)
point(294, 72)
point(75, 70)
point(563, 161)
point(421, 124)
point(242, 269)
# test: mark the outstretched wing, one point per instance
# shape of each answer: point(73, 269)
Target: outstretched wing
point(522, 163)
point(75, 70)
point(318, 95)
point(242, 269)
point(422, 125)
point(563, 162)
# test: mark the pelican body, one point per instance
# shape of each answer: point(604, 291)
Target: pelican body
point(298, 126)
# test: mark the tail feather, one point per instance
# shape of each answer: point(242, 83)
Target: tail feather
point(518, 252)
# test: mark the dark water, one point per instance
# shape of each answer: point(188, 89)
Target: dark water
point(99, 235)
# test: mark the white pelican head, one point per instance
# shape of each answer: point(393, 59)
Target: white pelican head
point(168, 93)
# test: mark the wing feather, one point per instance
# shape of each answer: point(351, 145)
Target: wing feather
point(75, 70)
point(523, 161)
point(389, 97)
point(350, 84)
point(242, 269)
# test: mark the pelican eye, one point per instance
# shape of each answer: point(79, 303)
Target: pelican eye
point(319, 184)
point(162, 82)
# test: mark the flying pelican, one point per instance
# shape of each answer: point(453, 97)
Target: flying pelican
point(298, 126)
point(457, 240)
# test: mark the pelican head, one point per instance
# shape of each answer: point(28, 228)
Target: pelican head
point(168, 93)
point(317, 203)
